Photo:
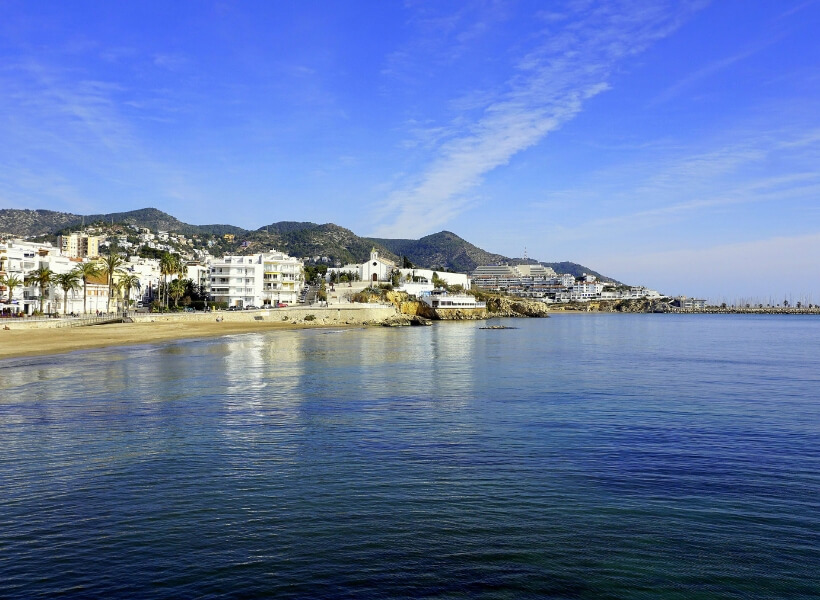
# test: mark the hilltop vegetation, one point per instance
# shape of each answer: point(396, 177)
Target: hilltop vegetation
point(443, 251)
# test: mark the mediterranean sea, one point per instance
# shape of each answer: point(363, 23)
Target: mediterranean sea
point(581, 456)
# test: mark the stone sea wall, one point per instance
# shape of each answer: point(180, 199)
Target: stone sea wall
point(343, 314)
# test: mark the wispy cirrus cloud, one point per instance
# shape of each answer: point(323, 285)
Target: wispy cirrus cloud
point(71, 139)
point(692, 183)
point(569, 61)
point(711, 70)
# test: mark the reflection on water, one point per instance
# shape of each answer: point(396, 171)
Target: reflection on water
point(573, 457)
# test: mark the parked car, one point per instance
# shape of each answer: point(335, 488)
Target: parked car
point(251, 307)
point(234, 308)
point(281, 305)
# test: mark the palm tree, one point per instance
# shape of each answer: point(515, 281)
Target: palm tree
point(11, 282)
point(127, 283)
point(182, 268)
point(168, 265)
point(41, 277)
point(68, 282)
point(86, 271)
point(112, 265)
point(176, 290)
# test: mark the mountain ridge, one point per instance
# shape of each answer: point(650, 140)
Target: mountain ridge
point(444, 250)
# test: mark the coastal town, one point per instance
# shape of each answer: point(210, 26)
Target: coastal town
point(105, 269)
point(95, 271)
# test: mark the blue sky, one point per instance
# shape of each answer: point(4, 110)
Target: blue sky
point(673, 144)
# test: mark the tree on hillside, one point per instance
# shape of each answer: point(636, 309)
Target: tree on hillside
point(86, 271)
point(41, 277)
point(68, 282)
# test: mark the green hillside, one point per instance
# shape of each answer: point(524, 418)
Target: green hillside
point(440, 251)
point(444, 250)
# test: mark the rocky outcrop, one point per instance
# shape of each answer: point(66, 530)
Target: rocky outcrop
point(640, 305)
point(510, 306)
point(459, 314)
point(497, 306)
point(400, 320)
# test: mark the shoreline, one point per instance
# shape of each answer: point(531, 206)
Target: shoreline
point(21, 343)
point(28, 342)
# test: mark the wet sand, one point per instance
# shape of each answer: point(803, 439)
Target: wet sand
point(34, 342)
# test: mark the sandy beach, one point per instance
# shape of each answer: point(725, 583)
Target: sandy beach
point(33, 342)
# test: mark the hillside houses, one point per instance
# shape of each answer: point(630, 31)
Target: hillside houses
point(544, 284)
point(267, 277)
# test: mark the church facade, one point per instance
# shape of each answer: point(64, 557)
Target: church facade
point(374, 270)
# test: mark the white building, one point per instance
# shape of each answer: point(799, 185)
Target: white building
point(689, 303)
point(19, 258)
point(256, 279)
point(440, 299)
point(633, 293)
point(586, 290)
point(495, 277)
point(426, 275)
point(149, 275)
point(420, 281)
point(16, 259)
point(374, 270)
point(199, 273)
point(537, 270)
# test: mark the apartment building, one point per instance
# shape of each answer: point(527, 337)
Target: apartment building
point(79, 245)
point(689, 303)
point(20, 258)
point(256, 280)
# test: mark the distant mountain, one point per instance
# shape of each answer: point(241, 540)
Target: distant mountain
point(26, 223)
point(443, 250)
point(288, 226)
point(309, 239)
point(439, 251)
point(29, 223)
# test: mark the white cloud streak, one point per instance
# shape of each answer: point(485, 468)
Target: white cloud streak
point(571, 63)
point(683, 185)
point(70, 136)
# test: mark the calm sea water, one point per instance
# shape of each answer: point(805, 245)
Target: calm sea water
point(606, 456)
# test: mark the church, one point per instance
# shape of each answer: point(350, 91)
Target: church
point(374, 270)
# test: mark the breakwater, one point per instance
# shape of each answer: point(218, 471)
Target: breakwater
point(656, 306)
